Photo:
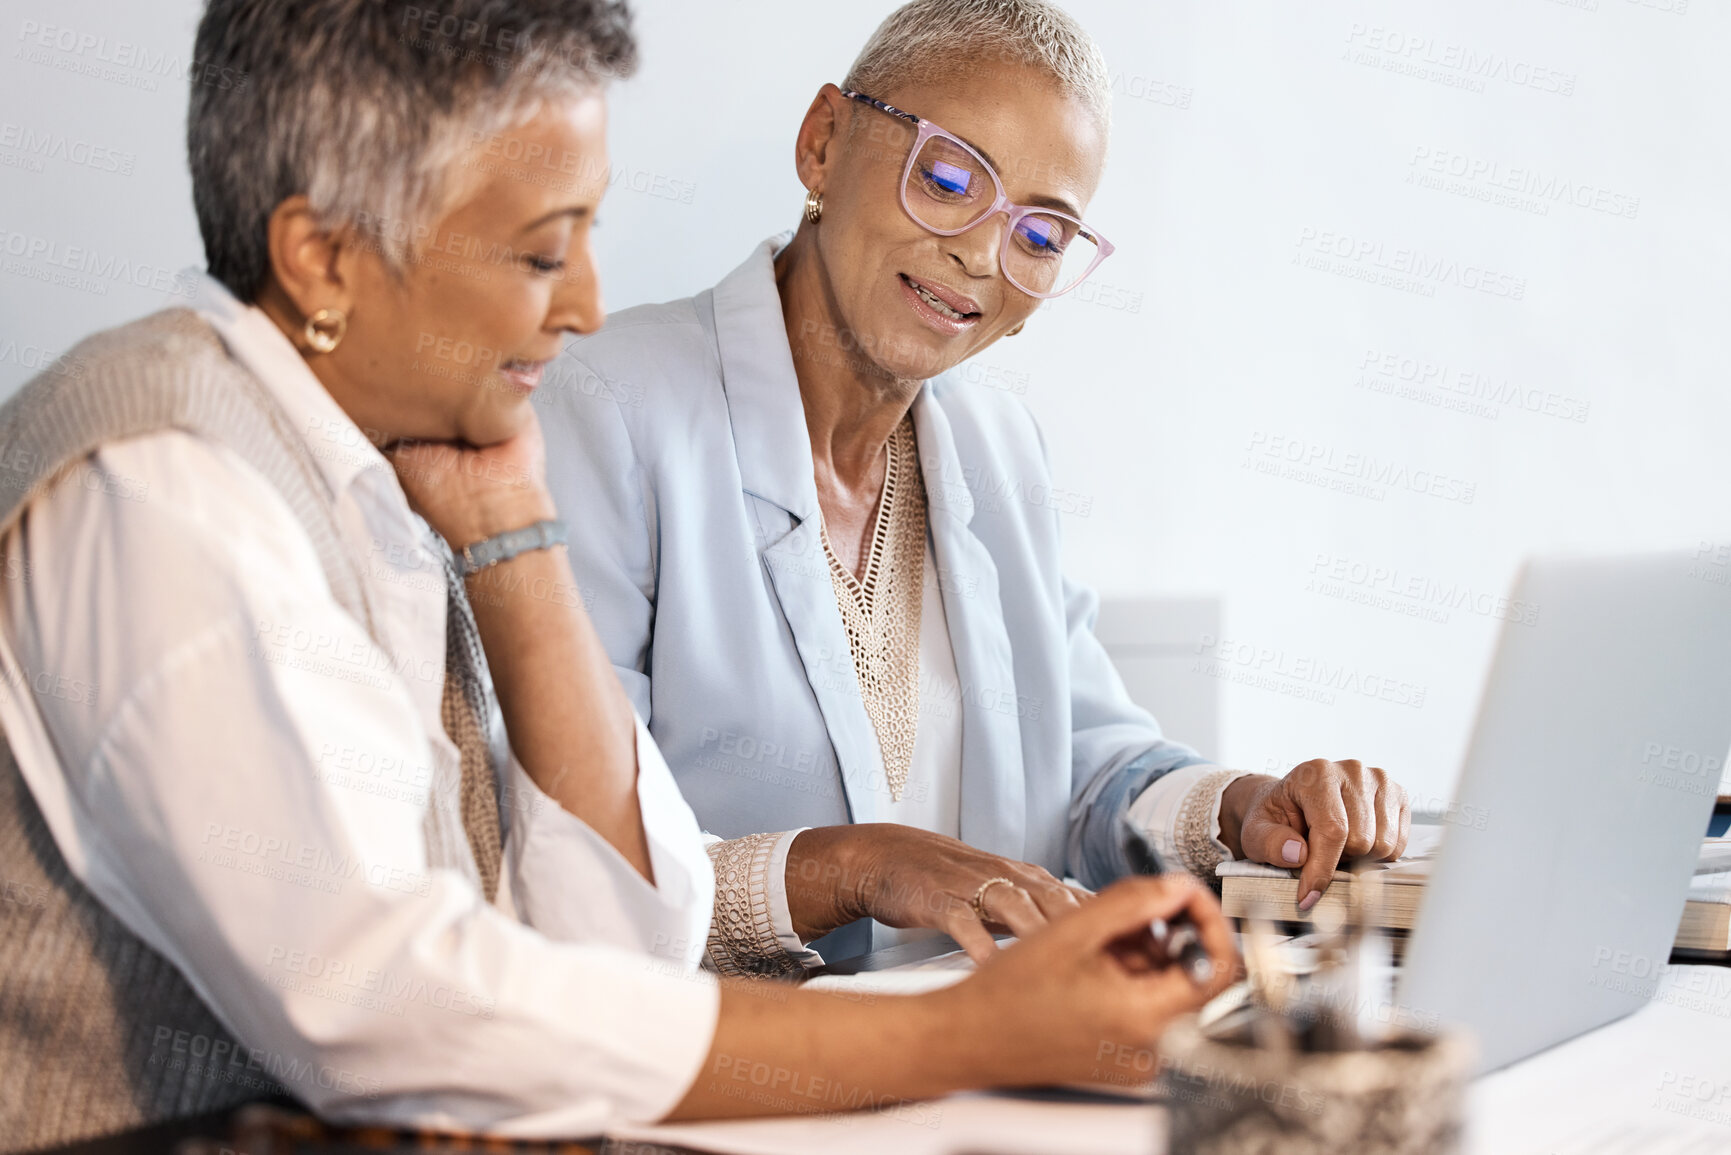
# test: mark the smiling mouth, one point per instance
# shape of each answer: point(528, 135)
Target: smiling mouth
point(526, 374)
point(938, 304)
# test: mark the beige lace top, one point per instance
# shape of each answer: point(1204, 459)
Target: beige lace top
point(881, 608)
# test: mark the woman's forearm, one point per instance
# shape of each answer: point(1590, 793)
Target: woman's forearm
point(569, 721)
point(1044, 1011)
point(780, 1050)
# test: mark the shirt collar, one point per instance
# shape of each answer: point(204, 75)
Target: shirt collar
point(342, 451)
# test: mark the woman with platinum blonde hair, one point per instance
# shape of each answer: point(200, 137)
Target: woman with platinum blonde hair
point(288, 557)
point(818, 560)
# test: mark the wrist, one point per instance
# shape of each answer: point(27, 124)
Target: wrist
point(821, 880)
point(962, 1037)
point(496, 514)
point(1235, 804)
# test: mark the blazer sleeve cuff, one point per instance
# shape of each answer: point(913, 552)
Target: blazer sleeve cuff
point(1097, 850)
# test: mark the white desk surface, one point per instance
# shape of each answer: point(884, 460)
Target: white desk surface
point(1655, 1083)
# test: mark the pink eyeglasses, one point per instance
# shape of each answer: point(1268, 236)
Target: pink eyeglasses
point(1045, 253)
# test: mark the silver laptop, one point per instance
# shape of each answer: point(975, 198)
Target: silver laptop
point(1591, 776)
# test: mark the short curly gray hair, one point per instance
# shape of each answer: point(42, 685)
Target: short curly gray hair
point(362, 106)
point(925, 40)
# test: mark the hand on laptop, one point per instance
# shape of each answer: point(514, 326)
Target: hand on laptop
point(904, 877)
point(1319, 814)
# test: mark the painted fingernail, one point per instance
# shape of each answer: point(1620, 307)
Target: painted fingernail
point(1310, 900)
point(1292, 851)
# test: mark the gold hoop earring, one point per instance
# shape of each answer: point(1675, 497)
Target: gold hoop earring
point(813, 205)
point(1016, 330)
point(325, 328)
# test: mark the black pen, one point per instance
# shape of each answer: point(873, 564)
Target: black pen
point(1177, 937)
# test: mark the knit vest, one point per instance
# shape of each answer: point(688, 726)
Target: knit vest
point(98, 1031)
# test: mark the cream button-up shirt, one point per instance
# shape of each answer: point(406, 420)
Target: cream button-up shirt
point(243, 777)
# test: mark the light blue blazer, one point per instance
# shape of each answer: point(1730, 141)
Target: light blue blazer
point(678, 454)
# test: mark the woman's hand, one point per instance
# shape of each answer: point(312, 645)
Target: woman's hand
point(1320, 813)
point(906, 877)
point(468, 494)
point(1083, 999)
point(566, 714)
point(1080, 1000)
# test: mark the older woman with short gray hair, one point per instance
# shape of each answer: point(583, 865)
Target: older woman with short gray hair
point(828, 571)
point(270, 836)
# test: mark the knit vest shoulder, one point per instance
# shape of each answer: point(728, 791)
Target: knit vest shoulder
point(98, 1031)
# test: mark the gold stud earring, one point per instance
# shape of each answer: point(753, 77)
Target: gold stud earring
point(1016, 330)
point(325, 328)
point(813, 205)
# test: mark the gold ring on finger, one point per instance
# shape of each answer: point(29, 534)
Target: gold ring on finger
point(979, 902)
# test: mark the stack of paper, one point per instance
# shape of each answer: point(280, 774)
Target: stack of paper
point(1249, 889)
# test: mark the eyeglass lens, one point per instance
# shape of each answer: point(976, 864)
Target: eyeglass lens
point(950, 189)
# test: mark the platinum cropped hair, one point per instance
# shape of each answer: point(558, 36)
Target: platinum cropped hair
point(364, 105)
point(929, 41)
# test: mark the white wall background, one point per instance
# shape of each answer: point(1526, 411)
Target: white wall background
point(1281, 231)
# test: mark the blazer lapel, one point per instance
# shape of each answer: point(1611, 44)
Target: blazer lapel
point(994, 801)
point(774, 453)
point(799, 574)
point(763, 402)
